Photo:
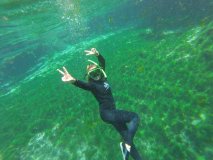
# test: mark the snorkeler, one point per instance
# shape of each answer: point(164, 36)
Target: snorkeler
point(126, 123)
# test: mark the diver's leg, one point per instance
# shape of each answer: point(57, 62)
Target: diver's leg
point(123, 131)
point(134, 153)
point(127, 132)
point(132, 127)
point(126, 123)
point(131, 120)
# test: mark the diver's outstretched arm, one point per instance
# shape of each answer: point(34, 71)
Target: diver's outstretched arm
point(101, 59)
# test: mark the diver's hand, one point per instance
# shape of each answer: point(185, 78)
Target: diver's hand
point(66, 76)
point(93, 51)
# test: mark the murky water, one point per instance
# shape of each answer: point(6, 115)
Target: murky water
point(159, 60)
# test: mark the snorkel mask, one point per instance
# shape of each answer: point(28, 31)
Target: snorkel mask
point(95, 72)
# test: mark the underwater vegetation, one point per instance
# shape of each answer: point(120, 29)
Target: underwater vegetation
point(168, 82)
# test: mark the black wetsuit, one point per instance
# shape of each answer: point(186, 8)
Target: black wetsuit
point(108, 112)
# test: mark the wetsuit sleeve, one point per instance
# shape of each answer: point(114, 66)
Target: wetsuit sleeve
point(84, 85)
point(101, 61)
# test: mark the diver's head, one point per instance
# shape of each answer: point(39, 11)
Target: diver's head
point(91, 67)
point(94, 72)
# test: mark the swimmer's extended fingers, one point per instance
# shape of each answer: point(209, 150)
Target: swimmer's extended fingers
point(61, 72)
point(65, 70)
point(88, 52)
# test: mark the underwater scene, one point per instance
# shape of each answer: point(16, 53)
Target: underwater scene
point(159, 64)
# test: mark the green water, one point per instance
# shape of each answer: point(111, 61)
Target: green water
point(159, 60)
